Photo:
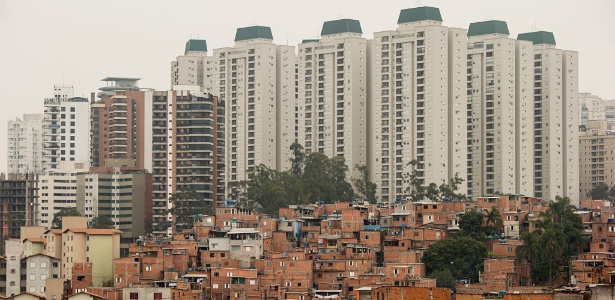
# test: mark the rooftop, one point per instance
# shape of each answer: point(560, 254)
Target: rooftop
point(538, 37)
point(253, 32)
point(488, 27)
point(341, 26)
point(196, 46)
point(419, 14)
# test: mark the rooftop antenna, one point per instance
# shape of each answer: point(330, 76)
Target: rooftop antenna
point(419, 3)
point(340, 15)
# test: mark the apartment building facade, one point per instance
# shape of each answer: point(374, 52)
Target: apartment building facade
point(66, 128)
point(255, 80)
point(499, 122)
point(417, 103)
point(189, 148)
point(18, 196)
point(76, 244)
point(121, 192)
point(121, 123)
point(556, 111)
point(591, 107)
point(25, 144)
point(596, 158)
point(194, 67)
point(332, 92)
point(58, 190)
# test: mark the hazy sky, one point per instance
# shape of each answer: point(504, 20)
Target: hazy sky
point(77, 43)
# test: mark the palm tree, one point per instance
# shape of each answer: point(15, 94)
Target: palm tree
point(493, 216)
point(528, 251)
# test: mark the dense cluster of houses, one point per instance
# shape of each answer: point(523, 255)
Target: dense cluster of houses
point(345, 250)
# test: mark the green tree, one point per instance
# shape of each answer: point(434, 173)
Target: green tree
point(365, 187)
point(599, 192)
point(265, 188)
point(462, 256)
point(529, 252)
point(415, 189)
point(102, 222)
point(56, 223)
point(432, 192)
point(559, 236)
point(298, 159)
point(493, 220)
point(444, 279)
point(338, 174)
point(449, 191)
point(186, 205)
point(471, 225)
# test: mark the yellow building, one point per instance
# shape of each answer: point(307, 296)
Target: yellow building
point(80, 245)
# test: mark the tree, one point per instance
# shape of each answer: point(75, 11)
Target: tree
point(432, 192)
point(471, 225)
point(599, 192)
point(493, 220)
point(338, 174)
point(444, 279)
point(462, 256)
point(65, 212)
point(238, 191)
point(449, 191)
point(265, 188)
point(102, 222)
point(415, 189)
point(559, 236)
point(365, 187)
point(187, 204)
point(298, 159)
point(529, 252)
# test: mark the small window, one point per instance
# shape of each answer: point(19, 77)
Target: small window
point(134, 296)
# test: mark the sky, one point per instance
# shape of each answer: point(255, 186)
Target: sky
point(75, 42)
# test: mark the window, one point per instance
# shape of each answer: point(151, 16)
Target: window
point(157, 296)
point(134, 296)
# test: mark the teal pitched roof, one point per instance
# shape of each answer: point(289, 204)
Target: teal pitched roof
point(341, 26)
point(538, 37)
point(488, 27)
point(310, 41)
point(253, 32)
point(419, 14)
point(196, 45)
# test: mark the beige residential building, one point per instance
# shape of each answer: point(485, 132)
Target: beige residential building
point(255, 78)
point(556, 112)
point(596, 157)
point(499, 121)
point(119, 192)
point(74, 243)
point(58, 190)
point(418, 103)
point(194, 67)
point(591, 107)
point(332, 94)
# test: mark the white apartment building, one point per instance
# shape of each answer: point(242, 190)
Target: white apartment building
point(66, 128)
point(332, 92)
point(58, 190)
point(499, 121)
point(591, 107)
point(194, 67)
point(556, 118)
point(418, 103)
point(255, 81)
point(25, 144)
